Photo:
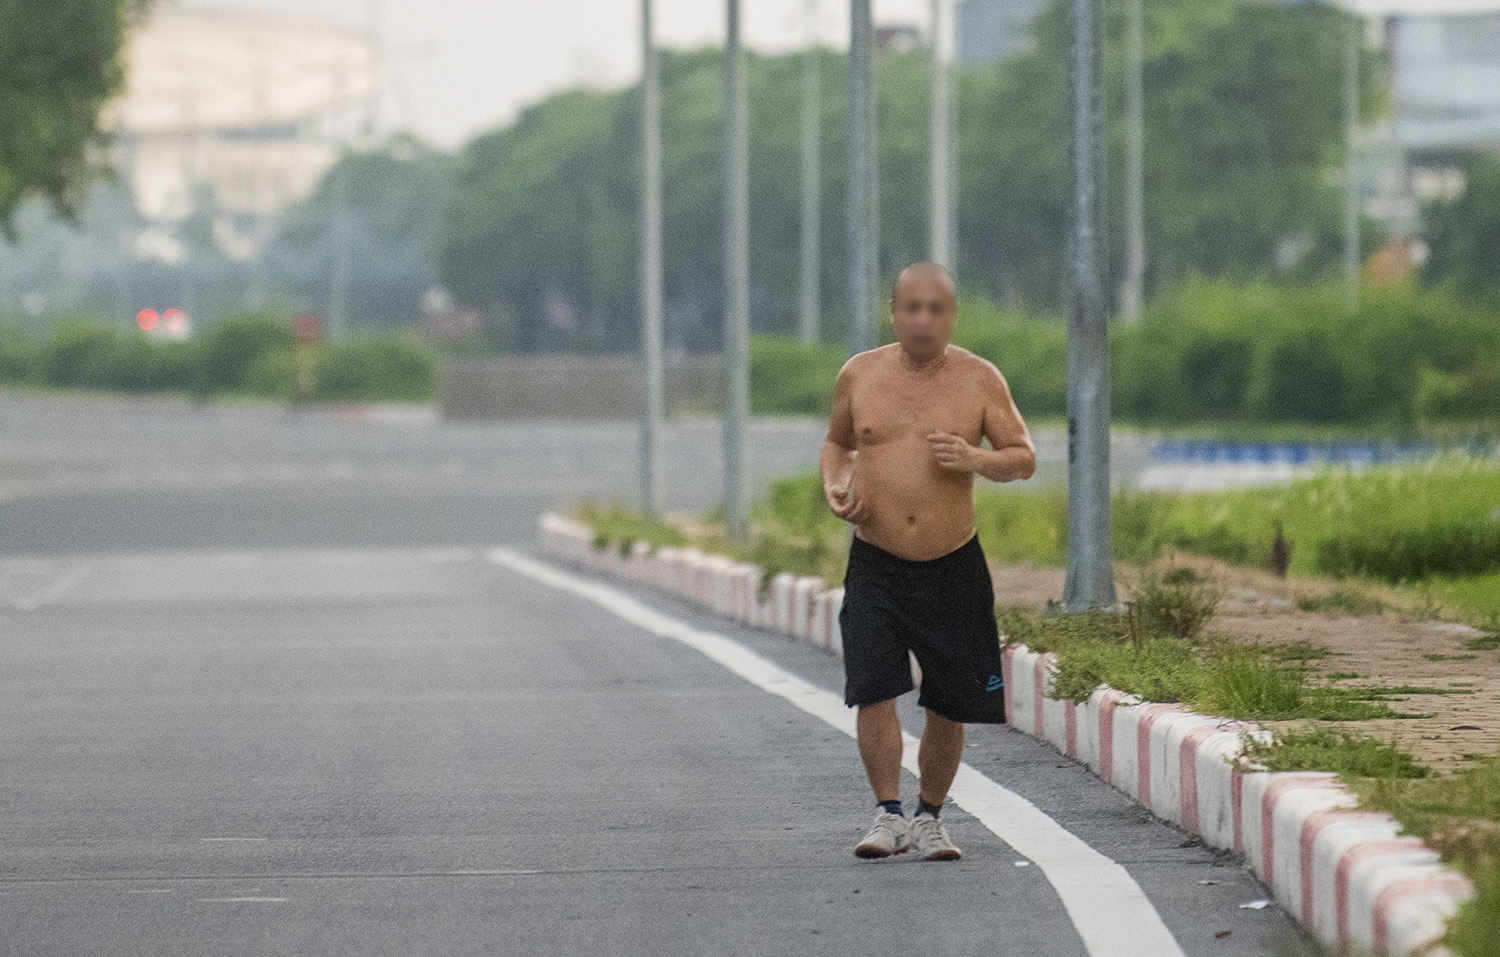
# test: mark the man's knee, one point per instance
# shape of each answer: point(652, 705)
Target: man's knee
point(935, 720)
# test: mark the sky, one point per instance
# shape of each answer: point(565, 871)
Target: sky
point(465, 66)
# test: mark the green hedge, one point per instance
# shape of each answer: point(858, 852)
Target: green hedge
point(1216, 351)
point(252, 353)
point(789, 377)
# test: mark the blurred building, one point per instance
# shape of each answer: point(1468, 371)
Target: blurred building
point(1445, 86)
point(239, 113)
point(991, 30)
point(1445, 56)
point(897, 37)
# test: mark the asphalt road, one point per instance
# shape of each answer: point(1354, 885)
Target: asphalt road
point(264, 694)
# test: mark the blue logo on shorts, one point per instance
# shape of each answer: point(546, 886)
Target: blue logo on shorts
point(994, 684)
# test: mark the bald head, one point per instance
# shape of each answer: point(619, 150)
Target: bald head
point(930, 271)
point(924, 307)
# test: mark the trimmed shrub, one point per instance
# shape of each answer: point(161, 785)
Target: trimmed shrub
point(393, 367)
point(788, 377)
point(230, 347)
point(1413, 553)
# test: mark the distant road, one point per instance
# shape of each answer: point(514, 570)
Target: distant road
point(158, 472)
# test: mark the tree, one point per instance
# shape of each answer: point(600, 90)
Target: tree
point(1244, 117)
point(1245, 121)
point(395, 196)
point(59, 63)
point(1464, 233)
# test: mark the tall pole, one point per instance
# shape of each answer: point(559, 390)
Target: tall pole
point(940, 137)
point(1355, 47)
point(1135, 162)
point(652, 492)
point(338, 200)
point(809, 318)
point(736, 281)
point(863, 209)
point(1090, 576)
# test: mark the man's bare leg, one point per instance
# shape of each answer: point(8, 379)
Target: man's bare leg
point(939, 756)
point(879, 733)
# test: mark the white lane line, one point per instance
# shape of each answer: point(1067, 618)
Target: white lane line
point(53, 592)
point(1111, 913)
point(210, 840)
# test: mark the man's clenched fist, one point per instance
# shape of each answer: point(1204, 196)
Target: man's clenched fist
point(951, 451)
point(844, 504)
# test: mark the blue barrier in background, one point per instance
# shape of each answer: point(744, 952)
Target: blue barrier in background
point(1217, 452)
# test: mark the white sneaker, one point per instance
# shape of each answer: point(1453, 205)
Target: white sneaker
point(887, 836)
point(931, 839)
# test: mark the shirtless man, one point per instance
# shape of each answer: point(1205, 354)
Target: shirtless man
point(898, 464)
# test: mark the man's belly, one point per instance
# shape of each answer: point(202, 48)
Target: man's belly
point(917, 509)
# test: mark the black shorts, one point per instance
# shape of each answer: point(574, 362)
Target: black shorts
point(942, 611)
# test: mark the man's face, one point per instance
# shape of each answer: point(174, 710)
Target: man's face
point(923, 314)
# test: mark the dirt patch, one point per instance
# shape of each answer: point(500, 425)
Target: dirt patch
point(1389, 648)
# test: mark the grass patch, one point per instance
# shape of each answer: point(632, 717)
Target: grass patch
point(1173, 603)
point(1440, 810)
point(1386, 692)
point(1348, 753)
point(1347, 600)
point(1458, 816)
point(1428, 526)
point(1476, 599)
point(619, 527)
point(1483, 643)
point(1256, 684)
point(1432, 657)
point(1216, 676)
point(1156, 669)
point(1476, 928)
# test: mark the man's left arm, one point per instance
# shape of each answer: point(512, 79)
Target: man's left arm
point(1012, 455)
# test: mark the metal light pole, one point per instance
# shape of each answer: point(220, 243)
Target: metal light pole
point(1135, 164)
point(940, 137)
point(652, 492)
point(736, 281)
point(341, 270)
point(809, 318)
point(863, 208)
point(1355, 47)
point(1090, 577)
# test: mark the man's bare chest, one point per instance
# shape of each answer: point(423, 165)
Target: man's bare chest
point(895, 413)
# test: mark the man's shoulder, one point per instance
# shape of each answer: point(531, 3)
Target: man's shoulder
point(974, 364)
point(869, 360)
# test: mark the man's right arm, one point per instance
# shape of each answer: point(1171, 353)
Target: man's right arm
point(836, 462)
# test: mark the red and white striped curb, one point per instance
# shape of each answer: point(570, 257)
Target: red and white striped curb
point(1349, 876)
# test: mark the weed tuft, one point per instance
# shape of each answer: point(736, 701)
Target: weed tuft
point(1347, 600)
point(1174, 603)
point(1348, 753)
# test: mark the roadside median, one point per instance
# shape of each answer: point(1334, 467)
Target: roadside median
point(1352, 877)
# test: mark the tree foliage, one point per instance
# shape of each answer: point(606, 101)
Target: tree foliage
point(394, 198)
point(1243, 125)
point(59, 63)
point(1464, 233)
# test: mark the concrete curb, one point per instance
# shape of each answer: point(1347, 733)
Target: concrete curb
point(1350, 877)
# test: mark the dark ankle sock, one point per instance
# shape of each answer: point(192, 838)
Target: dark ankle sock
point(891, 807)
point(923, 806)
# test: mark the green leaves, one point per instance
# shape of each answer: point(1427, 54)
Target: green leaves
point(1244, 122)
point(59, 63)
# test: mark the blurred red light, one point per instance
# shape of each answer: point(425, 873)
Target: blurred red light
point(173, 318)
point(146, 319)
